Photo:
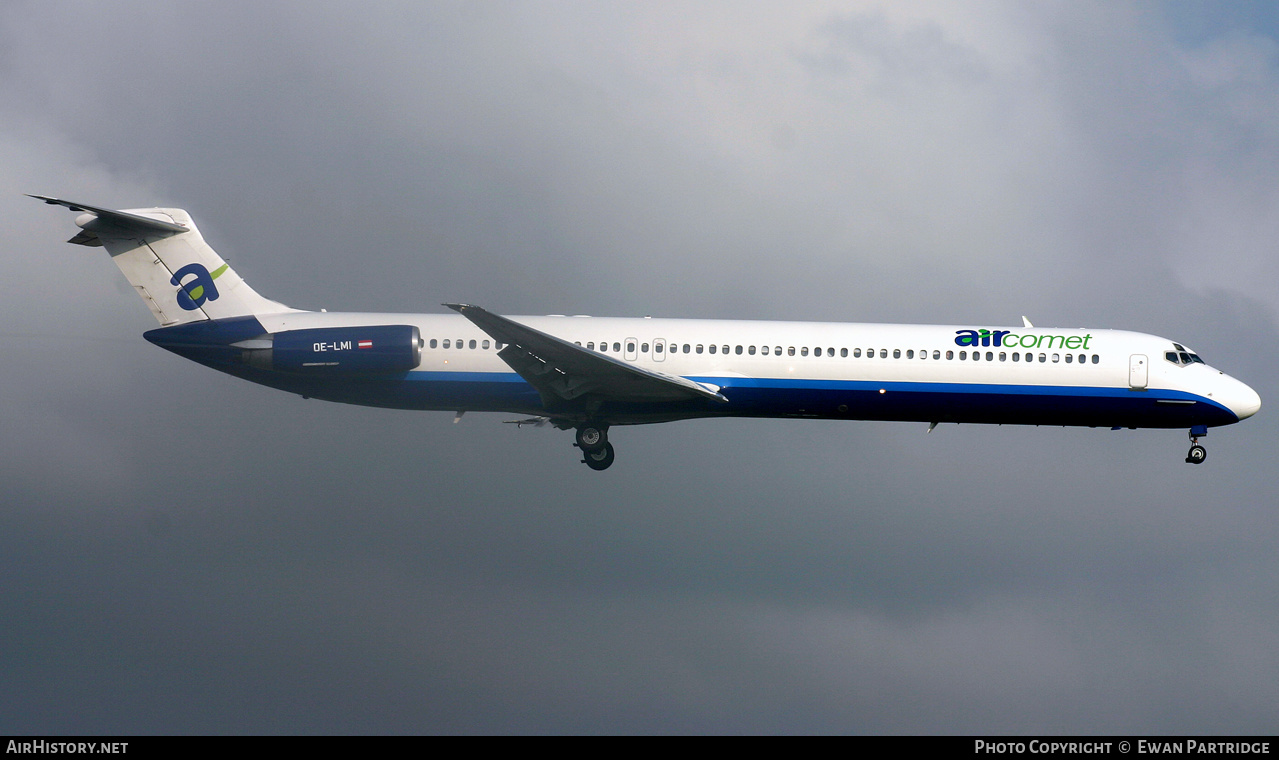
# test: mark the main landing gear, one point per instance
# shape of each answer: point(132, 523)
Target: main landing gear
point(1197, 453)
point(597, 452)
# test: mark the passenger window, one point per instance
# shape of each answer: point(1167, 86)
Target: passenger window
point(485, 344)
point(790, 351)
point(590, 345)
point(617, 347)
point(977, 356)
point(1003, 357)
point(1095, 358)
point(870, 353)
point(817, 352)
point(723, 349)
point(713, 347)
point(937, 354)
point(1043, 358)
point(630, 348)
point(1070, 358)
point(739, 350)
point(1056, 358)
point(963, 355)
point(434, 342)
point(699, 348)
point(643, 348)
point(657, 348)
point(857, 353)
point(950, 354)
point(750, 350)
point(763, 350)
point(910, 353)
point(777, 350)
point(686, 348)
point(446, 342)
point(883, 353)
point(803, 350)
point(1082, 358)
point(843, 353)
point(1016, 356)
point(897, 353)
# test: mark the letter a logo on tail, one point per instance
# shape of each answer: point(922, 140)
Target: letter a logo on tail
point(193, 293)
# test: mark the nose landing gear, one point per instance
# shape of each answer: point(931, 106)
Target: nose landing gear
point(592, 439)
point(1197, 453)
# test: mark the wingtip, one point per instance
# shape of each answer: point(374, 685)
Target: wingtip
point(51, 201)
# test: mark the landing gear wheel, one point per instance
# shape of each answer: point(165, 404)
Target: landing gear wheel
point(592, 437)
point(600, 458)
point(1197, 454)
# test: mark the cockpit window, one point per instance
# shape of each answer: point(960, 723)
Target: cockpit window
point(1182, 356)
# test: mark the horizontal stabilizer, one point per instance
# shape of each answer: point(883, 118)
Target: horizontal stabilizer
point(120, 221)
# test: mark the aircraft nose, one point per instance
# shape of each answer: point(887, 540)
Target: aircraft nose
point(1242, 400)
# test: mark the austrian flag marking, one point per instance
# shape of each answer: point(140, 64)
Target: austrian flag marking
point(366, 344)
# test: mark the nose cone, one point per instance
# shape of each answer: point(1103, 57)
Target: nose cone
point(1240, 399)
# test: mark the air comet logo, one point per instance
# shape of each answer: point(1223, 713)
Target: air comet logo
point(194, 292)
point(1009, 339)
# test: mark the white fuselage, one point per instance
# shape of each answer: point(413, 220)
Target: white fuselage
point(1110, 367)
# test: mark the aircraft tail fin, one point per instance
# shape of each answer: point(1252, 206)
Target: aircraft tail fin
point(179, 277)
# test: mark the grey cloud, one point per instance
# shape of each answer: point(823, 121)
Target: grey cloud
point(183, 552)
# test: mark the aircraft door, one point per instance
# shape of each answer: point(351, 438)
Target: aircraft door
point(1138, 372)
point(659, 349)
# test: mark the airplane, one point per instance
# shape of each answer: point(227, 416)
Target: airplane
point(589, 374)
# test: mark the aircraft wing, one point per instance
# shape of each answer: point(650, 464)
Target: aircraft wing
point(563, 371)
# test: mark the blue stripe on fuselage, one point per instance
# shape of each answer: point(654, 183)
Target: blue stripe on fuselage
point(780, 397)
point(921, 401)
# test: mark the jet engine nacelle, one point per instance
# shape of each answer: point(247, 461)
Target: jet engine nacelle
point(378, 349)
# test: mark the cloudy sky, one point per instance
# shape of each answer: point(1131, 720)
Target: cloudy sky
point(181, 551)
